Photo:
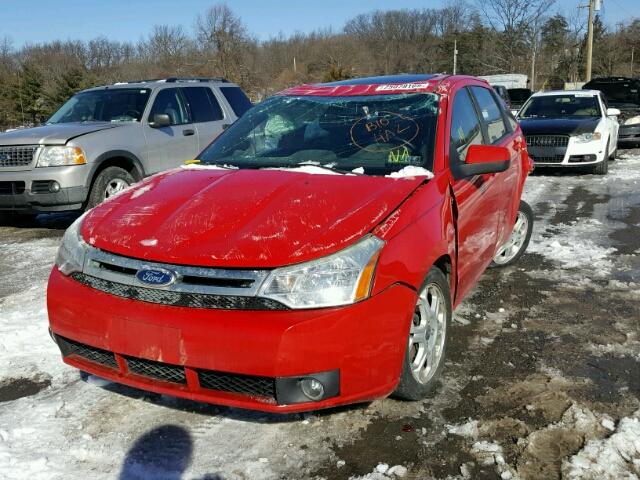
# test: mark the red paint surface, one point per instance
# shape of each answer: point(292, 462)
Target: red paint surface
point(267, 218)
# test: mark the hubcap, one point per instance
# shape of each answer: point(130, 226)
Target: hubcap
point(509, 250)
point(428, 332)
point(114, 186)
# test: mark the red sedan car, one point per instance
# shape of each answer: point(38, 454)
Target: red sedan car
point(311, 257)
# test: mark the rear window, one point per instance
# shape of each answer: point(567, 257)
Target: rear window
point(203, 104)
point(237, 99)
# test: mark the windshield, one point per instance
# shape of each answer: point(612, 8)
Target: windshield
point(561, 106)
point(619, 93)
point(379, 134)
point(108, 105)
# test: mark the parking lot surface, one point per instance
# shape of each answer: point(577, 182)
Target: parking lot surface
point(541, 380)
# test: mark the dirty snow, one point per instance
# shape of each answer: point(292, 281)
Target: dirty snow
point(612, 458)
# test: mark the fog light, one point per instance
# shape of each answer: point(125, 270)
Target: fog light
point(312, 388)
point(54, 187)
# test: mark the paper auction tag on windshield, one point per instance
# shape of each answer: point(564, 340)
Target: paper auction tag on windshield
point(401, 86)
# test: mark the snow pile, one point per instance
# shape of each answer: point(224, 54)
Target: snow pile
point(411, 171)
point(612, 458)
point(310, 169)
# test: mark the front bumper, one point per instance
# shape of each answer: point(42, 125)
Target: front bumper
point(364, 343)
point(575, 154)
point(629, 135)
point(27, 190)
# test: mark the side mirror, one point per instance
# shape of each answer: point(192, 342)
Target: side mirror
point(482, 159)
point(613, 112)
point(160, 120)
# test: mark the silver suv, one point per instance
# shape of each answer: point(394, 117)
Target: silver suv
point(106, 138)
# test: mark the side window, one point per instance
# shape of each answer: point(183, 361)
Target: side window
point(465, 126)
point(170, 102)
point(237, 99)
point(491, 114)
point(203, 104)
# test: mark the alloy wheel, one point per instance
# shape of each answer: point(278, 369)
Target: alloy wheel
point(518, 236)
point(428, 333)
point(114, 186)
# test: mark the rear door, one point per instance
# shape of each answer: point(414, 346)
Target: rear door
point(206, 113)
point(477, 219)
point(170, 146)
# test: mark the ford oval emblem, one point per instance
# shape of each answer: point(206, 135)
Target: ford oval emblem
point(157, 277)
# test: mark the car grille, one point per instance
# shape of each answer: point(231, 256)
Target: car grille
point(18, 156)
point(547, 158)
point(547, 140)
point(245, 384)
point(178, 299)
point(264, 387)
point(156, 370)
point(11, 188)
point(95, 355)
point(41, 186)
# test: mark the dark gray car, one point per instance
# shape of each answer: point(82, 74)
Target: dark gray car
point(106, 138)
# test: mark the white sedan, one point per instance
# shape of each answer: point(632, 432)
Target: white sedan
point(570, 128)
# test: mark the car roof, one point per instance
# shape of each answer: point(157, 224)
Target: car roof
point(381, 85)
point(551, 93)
point(170, 81)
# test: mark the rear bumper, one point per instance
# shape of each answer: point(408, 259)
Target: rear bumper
point(364, 343)
point(27, 190)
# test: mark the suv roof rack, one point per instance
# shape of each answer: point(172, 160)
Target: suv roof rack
point(176, 80)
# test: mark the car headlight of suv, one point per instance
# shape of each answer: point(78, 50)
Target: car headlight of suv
point(59, 155)
point(632, 121)
point(72, 251)
point(340, 279)
point(588, 137)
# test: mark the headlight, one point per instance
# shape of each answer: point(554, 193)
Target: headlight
point(339, 279)
point(71, 253)
point(588, 137)
point(632, 121)
point(60, 155)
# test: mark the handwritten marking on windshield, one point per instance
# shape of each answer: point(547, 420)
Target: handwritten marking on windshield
point(384, 133)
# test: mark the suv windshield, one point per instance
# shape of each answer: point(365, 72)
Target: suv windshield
point(381, 133)
point(108, 105)
point(561, 106)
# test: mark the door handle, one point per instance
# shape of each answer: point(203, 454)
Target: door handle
point(188, 132)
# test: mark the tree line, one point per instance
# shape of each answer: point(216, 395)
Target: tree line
point(492, 36)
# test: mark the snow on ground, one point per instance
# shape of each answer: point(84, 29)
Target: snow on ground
point(614, 457)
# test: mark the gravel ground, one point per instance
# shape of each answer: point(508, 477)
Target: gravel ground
point(541, 381)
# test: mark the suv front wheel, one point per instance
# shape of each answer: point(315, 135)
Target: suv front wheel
point(109, 182)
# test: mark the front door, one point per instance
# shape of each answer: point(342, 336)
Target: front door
point(477, 219)
point(169, 147)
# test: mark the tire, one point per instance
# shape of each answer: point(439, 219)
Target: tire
point(108, 182)
point(600, 168)
point(520, 235)
point(417, 380)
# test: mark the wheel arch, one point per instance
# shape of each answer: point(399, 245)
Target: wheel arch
point(117, 158)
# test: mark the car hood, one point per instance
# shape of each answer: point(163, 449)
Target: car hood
point(58, 134)
point(243, 218)
point(558, 126)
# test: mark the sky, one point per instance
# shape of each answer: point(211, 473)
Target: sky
point(33, 21)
